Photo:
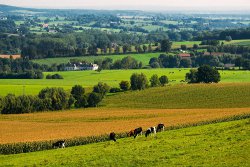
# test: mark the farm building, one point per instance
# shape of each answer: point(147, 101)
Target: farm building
point(81, 66)
point(10, 56)
point(184, 55)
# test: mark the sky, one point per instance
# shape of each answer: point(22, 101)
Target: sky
point(220, 5)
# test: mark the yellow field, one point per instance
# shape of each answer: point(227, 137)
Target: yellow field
point(92, 122)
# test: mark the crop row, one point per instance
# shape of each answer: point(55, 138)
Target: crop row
point(16, 148)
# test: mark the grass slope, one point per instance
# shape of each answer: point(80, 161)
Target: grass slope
point(112, 77)
point(184, 96)
point(222, 144)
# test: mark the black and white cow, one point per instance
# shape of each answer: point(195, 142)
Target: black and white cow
point(59, 144)
point(160, 127)
point(151, 130)
point(112, 136)
point(137, 131)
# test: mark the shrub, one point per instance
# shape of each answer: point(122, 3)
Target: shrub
point(154, 80)
point(81, 102)
point(94, 99)
point(101, 88)
point(59, 98)
point(163, 80)
point(138, 81)
point(124, 85)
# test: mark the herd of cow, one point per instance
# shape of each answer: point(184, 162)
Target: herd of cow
point(133, 133)
point(137, 131)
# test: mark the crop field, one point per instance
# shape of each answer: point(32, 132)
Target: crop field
point(184, 96)
point(221, 144)
point(112, 77)
point(93, 122)
point(245, 42)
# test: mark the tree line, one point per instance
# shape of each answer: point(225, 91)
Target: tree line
point(53, 99)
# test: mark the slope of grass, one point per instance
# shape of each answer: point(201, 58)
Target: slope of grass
point(222, 144)
point(112, 77)
point(184, 96)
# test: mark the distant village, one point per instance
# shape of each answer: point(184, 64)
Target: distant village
point(81, 66)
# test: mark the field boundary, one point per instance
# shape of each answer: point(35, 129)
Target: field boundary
point(17, 148)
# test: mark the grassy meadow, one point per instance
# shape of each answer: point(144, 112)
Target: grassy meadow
point(112, 77)
point(221, 144)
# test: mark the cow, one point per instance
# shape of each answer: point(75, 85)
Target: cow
point(59, 144)
point(112, 136)
point(151, 130)
point(131, 133)
point(160, 127)
point(137, 131)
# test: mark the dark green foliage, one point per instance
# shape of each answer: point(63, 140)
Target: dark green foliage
point(124, 85)
point(26, 75)
point(163, 80)
point(1, 104)
point(71, 101)
point(138, 81)
point(81, 102)
point(10, 104)
point(184, 47)
point(195, 46)
point(94, 99)
point(204, 74)
point(58, 96)
point(154, 80)
point(55, 76)
point(77, 91)
point(166, 45)
point(101, 88)
point(191, 77)
point(185, 63)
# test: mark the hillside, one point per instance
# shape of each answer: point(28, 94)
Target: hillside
point(184, 96)
point(221, 144)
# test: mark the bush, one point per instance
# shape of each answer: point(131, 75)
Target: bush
point(59, 98)
point(94, 99)
point(124, 85)
point(154, 80)
point(55, 76)
point(138, 81)
point(204, 74)
point(163, 80)
point(77, 91)
point(101, 88)
point(81, 102)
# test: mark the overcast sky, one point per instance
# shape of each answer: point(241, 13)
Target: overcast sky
point(135, 4)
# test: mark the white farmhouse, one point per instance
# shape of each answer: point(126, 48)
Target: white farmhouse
point(81, 67)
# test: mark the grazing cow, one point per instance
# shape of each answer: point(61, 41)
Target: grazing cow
point(131, 133)
point(151, 130)
point(137, 131)
point(112, 136)
point(160, 127)
point(59, 144)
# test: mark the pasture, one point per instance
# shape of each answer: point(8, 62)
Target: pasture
point(221, 144)
point(112, 77)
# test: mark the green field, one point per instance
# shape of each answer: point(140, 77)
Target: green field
point(112, 77)
point(144, 58)
point(221, 144)
point(184, 97)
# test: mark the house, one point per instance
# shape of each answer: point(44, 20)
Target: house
point(81, 66)
point(10, 56)
point(185, 55)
